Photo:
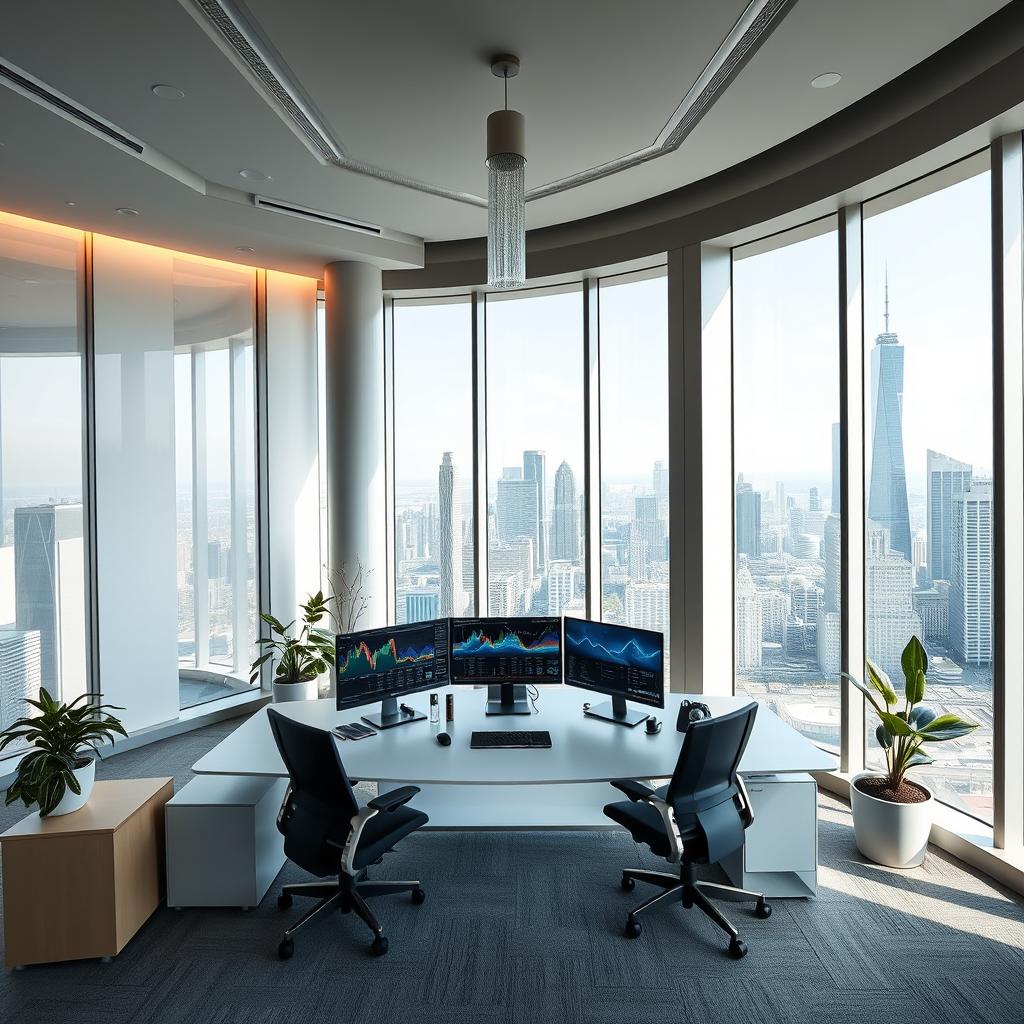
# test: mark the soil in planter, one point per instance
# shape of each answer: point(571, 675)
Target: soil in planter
point(905, 793)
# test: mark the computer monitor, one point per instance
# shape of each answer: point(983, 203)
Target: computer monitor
point(621, 661)
point(507, 654)
point(384, 664)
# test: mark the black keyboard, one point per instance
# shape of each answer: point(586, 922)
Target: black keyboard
point(532, 740)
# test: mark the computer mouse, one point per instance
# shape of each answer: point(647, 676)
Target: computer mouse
point(444, 739)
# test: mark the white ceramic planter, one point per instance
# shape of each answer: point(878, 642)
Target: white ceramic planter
point(895, 835)
point(285, 692)
point(86, 776)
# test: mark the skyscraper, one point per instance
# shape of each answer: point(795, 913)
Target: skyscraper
point(970, 596)
point(452, 597)
point(890, 618)
point(49, 575)
point(837, 469)
point(748, 519)
point(535, 468)
point(565, 530)
point(517, 511)
point(661, 488)
point(565, 585)
point(650, 526)
point(421, 605)
point(749, 622)
point(947, 481)
point(19, 673)
point(887, 497)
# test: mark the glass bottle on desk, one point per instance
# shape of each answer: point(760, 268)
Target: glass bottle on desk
point(435, 709)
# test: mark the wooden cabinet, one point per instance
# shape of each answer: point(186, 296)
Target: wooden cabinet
point(82, 884)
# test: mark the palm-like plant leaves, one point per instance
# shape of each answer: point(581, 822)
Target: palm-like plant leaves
point(59, 735)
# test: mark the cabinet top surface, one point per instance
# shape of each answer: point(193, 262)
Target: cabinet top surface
point(110, 806)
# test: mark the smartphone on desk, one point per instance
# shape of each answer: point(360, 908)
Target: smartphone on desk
point(353, 731)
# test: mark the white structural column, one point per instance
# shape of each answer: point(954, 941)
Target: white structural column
point(851, 487)
point(1008, 486)
point(356, 474)
point(700, 468)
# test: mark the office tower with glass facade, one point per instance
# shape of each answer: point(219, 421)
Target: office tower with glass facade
point(20, 672)
point(749, 624)
point(948, 479)
point(970, 595)
point(449, 548)
point(748, 519)
point(517, 512)
point(535, 469)
point(565, 530)
point(889, 605)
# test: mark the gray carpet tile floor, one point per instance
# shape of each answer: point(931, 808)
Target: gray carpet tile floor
point(526, 927)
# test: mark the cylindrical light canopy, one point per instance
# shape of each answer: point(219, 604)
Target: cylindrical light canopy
point(506, 199)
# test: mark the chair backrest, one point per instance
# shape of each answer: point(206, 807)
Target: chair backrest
point(705, 774)
point(321, 803)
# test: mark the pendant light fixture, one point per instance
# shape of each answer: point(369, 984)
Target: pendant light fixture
point(506, 187)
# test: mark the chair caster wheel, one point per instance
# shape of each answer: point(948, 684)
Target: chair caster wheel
point(633, 928)
point(379, 946)
point(286, 948)
point(628, 884)
point(737, 949)
point(763, 909)
point(284, 901)
point(418, 896)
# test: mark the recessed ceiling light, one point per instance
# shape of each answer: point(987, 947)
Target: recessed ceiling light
point(827, 80)
point(31, 280)
point(168, 92)
point(251, 174)
point(70, 202)
point(127, 211)
point(244, 248)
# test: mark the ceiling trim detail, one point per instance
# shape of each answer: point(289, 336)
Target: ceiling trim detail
point(237, 34)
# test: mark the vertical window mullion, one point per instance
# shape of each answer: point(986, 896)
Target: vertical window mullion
point(200, 513)
point(479, 386)
point(592, 446)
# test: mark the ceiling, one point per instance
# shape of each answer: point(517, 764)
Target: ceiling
point(405, 88)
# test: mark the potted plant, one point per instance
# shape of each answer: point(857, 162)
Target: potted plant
point(58, 774)
point(892, 815)
point(303, 657)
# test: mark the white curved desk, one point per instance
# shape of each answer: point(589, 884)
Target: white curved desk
point(563, 787)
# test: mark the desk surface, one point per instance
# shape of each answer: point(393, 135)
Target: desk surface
point(582, 749)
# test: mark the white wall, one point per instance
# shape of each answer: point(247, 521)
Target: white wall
point(135, 480)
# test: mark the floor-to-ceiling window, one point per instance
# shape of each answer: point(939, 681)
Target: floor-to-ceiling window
point(42, 553)
point(433, 459)
point(634, 451)
point(215, 432)
point(786, 488)
point(535, 453)
point(928, 459)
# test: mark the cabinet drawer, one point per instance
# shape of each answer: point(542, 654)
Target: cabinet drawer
point(783, 836)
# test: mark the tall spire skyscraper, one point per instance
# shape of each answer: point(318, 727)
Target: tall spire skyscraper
point(565, 532)
point(449, 549)
point(887, 497)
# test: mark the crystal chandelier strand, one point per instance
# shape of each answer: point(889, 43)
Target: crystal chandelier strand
point(506, 220)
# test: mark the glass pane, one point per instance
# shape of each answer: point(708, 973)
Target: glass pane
point(928, 453)
point(215, 435)
point(433, 378)
point(787, 525)
point(634, 455)
point(42, 568)
point(535, 454)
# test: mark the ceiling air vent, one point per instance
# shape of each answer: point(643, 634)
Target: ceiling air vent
point(334, 220)
point(36, 91)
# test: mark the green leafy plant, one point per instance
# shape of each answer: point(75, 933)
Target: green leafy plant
point(59, 735)
point(302, 656)
point(903, 734)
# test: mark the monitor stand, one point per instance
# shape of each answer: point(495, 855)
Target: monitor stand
point(616, 711)
point(391, 714)
point(507, 699)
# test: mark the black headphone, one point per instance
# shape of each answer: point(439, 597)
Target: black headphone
point(691, 711)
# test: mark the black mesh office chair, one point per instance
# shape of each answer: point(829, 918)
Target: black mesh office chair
point(698, 818)
point(327, 833)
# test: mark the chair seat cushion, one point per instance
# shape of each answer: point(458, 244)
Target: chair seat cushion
point(384, 830)
point(643, 823)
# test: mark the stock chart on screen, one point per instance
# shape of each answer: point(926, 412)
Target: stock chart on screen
point(616, 660)
point(389, 662)
point(506, 650)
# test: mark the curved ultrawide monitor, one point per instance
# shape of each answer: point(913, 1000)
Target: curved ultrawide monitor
point(617, 660)
point(375, 664)
point(522, 649)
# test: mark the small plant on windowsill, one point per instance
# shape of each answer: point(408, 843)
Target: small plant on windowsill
point(892, 815)
point(57, 773)
point(300, 659)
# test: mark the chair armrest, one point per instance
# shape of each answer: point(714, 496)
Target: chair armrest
point(394, 799)
point(636, 791)
point(746, 807)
